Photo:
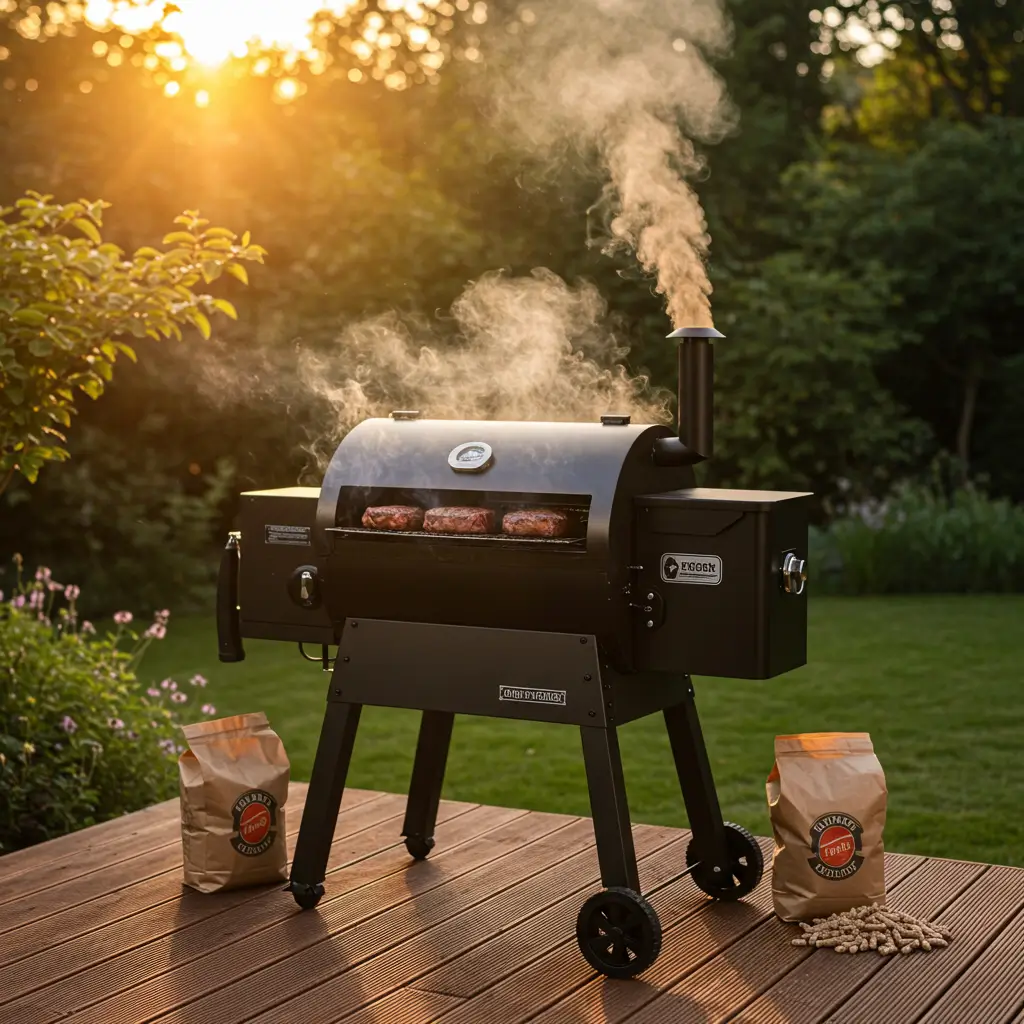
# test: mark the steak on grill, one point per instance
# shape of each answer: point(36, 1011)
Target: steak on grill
point(459, 519)
point(537, 522)
point(393, 517)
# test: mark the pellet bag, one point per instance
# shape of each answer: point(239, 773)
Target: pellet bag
point(234, 786)
point(827, 801)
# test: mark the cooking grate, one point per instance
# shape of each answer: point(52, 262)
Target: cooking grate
point(493, 539)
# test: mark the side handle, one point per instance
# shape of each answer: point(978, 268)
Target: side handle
point(229, 627)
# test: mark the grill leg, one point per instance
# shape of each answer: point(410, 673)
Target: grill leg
point(427, 780)
point(323, 799)
point(697, 782)
point(615, 852)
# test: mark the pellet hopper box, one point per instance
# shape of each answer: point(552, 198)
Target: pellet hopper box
point(643, 580)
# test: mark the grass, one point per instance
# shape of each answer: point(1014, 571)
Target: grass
point(937, 681)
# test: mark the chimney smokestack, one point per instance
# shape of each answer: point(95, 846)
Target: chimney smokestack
point(696, 420)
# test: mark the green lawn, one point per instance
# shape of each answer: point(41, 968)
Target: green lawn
point(937, 681)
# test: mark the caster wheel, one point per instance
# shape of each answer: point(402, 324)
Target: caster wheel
point(419, 846)
point(745, 860)
point(619, 933)
point(307, 896)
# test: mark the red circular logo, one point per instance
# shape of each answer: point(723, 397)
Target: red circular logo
point(836, 846)
point(254, 824)
point(254, 816)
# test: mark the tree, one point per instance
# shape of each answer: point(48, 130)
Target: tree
point(67, 304)
point(939, 220)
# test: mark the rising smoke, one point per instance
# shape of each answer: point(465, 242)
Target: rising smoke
point(626, 79)
point(625, 84)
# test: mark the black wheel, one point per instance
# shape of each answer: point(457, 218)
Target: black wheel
point(419, 846)
point(746, 864)
point(307, 896)
point(619, 933)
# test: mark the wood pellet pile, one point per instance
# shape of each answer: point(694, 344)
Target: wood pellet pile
point(875, 927)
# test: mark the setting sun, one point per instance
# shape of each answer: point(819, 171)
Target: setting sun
point(213, 31)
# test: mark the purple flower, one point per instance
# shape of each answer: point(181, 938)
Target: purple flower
point(154, 725)
point(1, 595)
point(36, 599)
point(162, 616)
point(115, 723)
point(179, 697)
point(132, 734)
point(122, 618)
point(88, 627)
point(156, 632)
point(53, 586)
point(42, 618)
point(168, 684)
point(198, 680)
point(19, 601)
point(71, 592)
point(69, 725)
point(153, 692)
point(166, 745)
point(42, 574)
point(209, 709)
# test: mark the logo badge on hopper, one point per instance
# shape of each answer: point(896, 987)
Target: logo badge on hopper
point(254, 815)
point(836, 846)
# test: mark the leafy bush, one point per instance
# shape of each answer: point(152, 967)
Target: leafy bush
point(67, 303)
point(922, 540)
point(80, 740)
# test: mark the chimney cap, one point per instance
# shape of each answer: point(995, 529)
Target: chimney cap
point(696, 332)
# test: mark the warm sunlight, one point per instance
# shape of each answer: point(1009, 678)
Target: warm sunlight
point(212, 31)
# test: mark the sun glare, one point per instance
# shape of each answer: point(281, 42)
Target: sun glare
point(213, 31)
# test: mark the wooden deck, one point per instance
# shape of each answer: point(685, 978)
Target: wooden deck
point(96, 928)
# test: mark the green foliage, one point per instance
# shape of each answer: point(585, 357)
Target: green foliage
point(118, 516)
point(922, 540)
point(80, 740)
point(798, 404)
point(67, 299)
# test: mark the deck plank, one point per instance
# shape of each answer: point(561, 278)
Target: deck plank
point(361, 831)
point(376, 849)
point(505, 893)
point(511, 947)
point(464, 844)
point(736, 977)
point(108, 878)
point(536, 985)
point(80, 918)
point(517, 848)
point(991, 990)
point(70, 845)
point(907, 987)
point(692, 946)
point(407, 1006)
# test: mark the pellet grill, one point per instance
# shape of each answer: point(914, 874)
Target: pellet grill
point(653, 581)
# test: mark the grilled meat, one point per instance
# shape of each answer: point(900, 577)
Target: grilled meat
point(539, 522)
point(393, 517)
point(459, 519)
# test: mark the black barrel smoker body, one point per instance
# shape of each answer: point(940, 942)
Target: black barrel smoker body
point(655, 580)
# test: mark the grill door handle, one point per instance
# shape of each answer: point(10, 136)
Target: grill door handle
point(229, 626)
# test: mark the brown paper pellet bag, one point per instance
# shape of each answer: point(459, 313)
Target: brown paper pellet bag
point(827, 801)
point(234, 785)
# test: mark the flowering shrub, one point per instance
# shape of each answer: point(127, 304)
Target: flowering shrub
point(81, 741)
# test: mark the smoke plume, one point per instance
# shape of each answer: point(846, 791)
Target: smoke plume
point(526, 348)
point(627, 79)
